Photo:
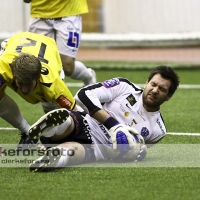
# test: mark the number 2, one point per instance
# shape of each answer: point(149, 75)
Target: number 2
point(33, 43)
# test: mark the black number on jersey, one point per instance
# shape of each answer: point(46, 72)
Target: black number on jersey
point(33, 43)
point(44, 71)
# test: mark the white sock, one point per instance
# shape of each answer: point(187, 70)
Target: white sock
point(58, 130)
point(9, 111)
point(81, 73)
point(64, 157)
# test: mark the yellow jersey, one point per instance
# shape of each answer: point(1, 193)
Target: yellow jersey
point(50, 88)
point(57, 8)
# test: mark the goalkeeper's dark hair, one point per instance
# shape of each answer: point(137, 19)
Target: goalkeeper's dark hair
point(167, 73)
point(26, 68)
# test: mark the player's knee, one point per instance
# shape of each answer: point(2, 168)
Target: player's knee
point(48, 107)
point(76, 152)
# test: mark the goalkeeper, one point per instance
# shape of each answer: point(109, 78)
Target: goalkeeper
point(120, 117)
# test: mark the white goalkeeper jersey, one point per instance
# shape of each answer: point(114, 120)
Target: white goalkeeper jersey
point(123, 101)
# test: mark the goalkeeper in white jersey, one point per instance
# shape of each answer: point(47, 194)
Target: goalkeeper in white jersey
point(120, 119)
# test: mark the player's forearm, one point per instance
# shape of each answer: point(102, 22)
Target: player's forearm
point(104, 118)
point(27, 1)
point(101, 116)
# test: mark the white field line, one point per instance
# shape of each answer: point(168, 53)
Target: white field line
point(182, 86)
point(169, 133)
point(187, 134)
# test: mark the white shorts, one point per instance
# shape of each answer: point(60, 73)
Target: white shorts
point(65, 30)
point(99, 137)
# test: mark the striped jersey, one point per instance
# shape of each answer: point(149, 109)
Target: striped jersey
point(122, 99)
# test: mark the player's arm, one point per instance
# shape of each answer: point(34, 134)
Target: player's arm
point(91, 99)
point(62, 95)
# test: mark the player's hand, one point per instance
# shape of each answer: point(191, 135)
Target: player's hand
point(121, 137)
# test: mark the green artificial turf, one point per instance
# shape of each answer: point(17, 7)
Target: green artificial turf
point(170, 171)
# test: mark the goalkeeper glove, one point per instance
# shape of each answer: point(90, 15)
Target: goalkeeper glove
point(120, 135)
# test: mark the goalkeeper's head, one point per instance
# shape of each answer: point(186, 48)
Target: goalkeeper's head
point(160, 86)
point(168, 74)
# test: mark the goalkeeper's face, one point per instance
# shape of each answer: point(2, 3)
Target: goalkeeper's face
point(156, 92)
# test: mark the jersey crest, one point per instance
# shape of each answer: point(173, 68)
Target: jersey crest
point(144, 132)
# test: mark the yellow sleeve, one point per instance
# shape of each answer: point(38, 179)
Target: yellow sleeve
point(59, 94)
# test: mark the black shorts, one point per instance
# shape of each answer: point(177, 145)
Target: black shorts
point(81, 133)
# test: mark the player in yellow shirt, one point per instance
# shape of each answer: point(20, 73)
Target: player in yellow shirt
point(31, 66)
point(62, 20)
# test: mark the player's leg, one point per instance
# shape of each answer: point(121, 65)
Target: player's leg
point(79, 134)
point(87, 75)
point(66, 154)
point(68, 37)
point(9, 111)
point(56, 123)
point(48, 106)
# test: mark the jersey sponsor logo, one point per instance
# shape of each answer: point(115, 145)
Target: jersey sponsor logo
point(104, 130)
point(2, 81)
point(133, 122)
point(128, 106)
point(73, 40)
point(126, 114)
point(64, 102)
point(86, 129)
point(131, 100)
point(144, 132)
point(160, 125)
point(111, 83)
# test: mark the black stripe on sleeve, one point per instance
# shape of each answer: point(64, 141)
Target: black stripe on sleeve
point(86, 100)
